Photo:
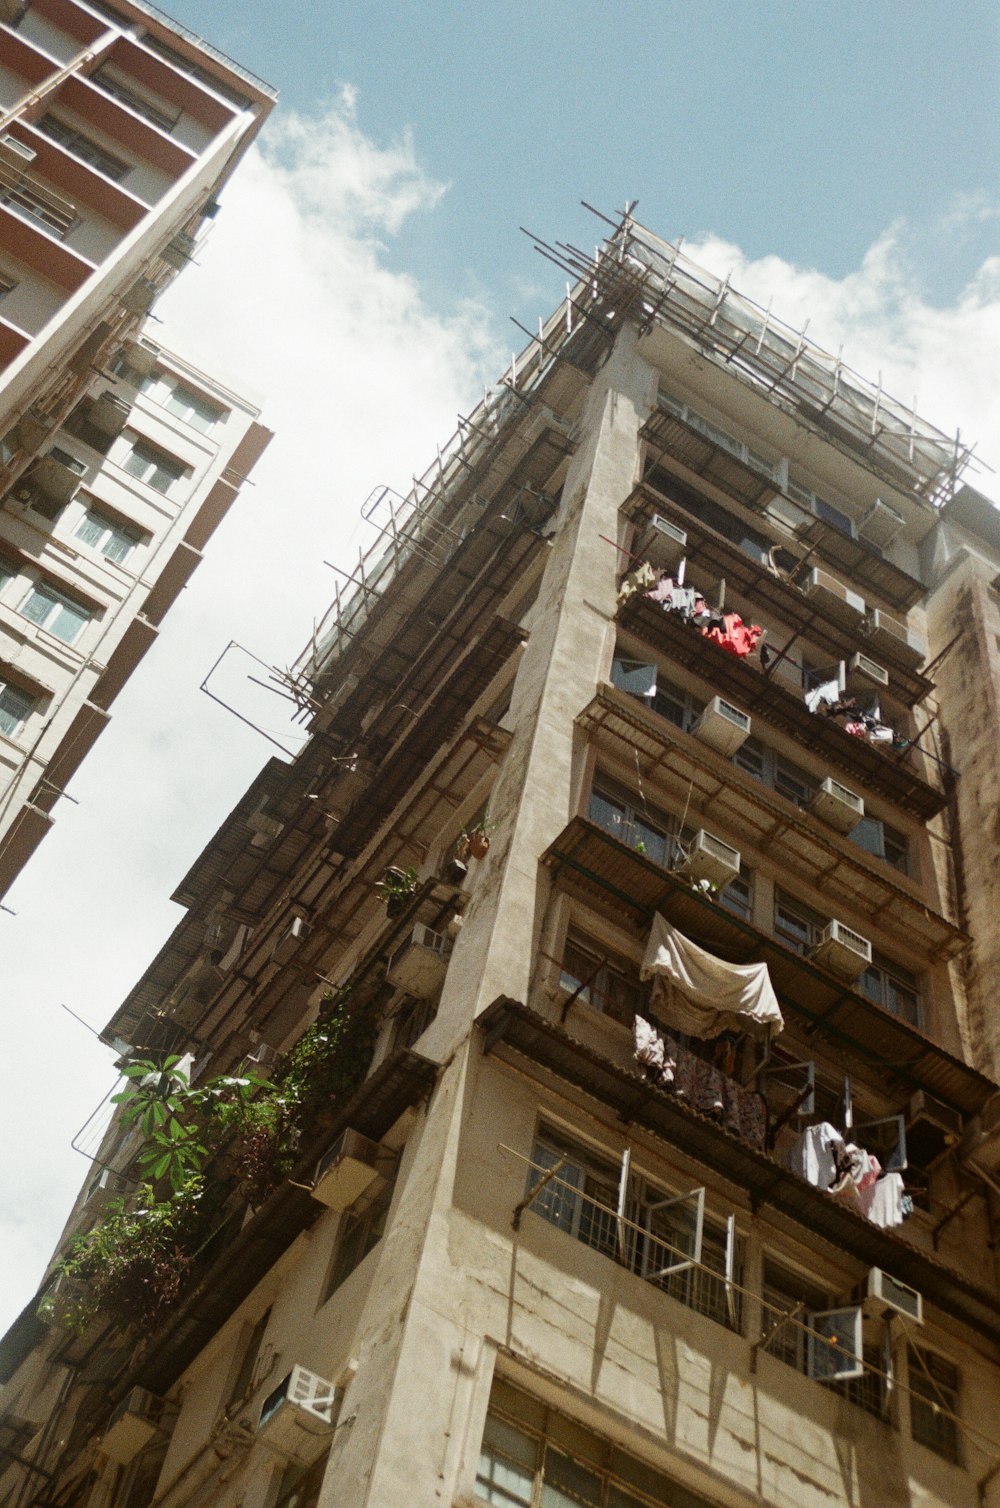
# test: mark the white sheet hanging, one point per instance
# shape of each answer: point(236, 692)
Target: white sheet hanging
point(696, 992)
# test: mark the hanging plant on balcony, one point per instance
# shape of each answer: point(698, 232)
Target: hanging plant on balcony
point(474, 841)
point(328, 1062)
point(395, 888)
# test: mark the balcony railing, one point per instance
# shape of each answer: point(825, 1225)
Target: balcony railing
point(29, 199)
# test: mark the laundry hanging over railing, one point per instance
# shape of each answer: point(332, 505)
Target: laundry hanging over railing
point(697, 993)
point(727, 630)
point(701, 1084)
point(848, 1173)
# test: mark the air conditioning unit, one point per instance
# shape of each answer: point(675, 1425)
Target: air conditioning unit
point(722, 726)
point(143, 356)
point(880, 524)
point(886, 1293)
point(861, 671)
point(842, 951)
point(265, 829)
point(15, 151)
point(835, 599)
point(663, 544)
point(298, 1417)
point(932, 1128)
point(708, 858)
point(107, 1185)
point(837, 806)
point(354, 1165)
point(419, 964)
point(140, 297)
point(135, 1423)
point(893, 638)
point(179, 250)
point(290, 940)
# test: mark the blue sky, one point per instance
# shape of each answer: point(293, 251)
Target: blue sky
point(840, 159)
point(793, 126)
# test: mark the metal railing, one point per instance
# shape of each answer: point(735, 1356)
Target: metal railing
point(23, 194)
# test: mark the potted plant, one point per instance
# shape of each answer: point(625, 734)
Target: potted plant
point(395, 888)
point(474, 841)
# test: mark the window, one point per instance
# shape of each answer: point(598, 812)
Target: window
point(892, 986)
point(773, 770)
point(54, 611)
point(934, 1386)
point(821, 1342)
point(8, 570)
point(361, 1230)
point(7, 284)
point(154, 467)
point(582, 1198)
point(114, 540)
point(795, 924)
point(248, 1361)
point(83, 147)
point(643, 830)
point(16, 707)
point(884, 842)
point(120, 91)
point(194, 410)
point(641, 678)
point(534, 1457)
point(738, 895)
point(49, 211)
point(609, 984)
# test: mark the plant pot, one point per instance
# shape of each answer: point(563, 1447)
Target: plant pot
point(455, 872)
point(479, 845)
point(395, 905)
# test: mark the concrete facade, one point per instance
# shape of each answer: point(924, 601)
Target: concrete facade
point(117, 131)
point(562, 1281)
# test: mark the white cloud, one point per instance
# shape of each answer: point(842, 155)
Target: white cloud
point(360, 379)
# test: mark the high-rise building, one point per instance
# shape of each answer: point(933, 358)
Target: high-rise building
point(118, 129)
point(618, 954)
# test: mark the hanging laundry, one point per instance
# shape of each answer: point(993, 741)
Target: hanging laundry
point(700, 1084)
point(639, 580)
point(650, 1052)
point(705, 995)
point(885, 1202)
point(814, 1155)
point(735, 636)
point(826, 695)
point(856, 729)
point(663, 591)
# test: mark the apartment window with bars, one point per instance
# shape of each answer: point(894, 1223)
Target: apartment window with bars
point(788, 1339)
point(773, 770)
point(609, 984)
point(893, 987)
point(84, 148)
point(154, 467)
point(50, 212)
point(582, 1197)
point(934, 1386)
point(535, 1457)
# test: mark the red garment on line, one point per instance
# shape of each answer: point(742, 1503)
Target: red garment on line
point(736, 637)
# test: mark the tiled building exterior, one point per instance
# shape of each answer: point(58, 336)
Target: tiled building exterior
point(513, 1263)
point(117, 131)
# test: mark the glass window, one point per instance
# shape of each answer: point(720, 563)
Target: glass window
point(738, 895)
point(8, 570)
point(644, 830)
point(361, 1230)
point(882, 841)
point(194, 410)
point(15, 708)
point(609, 984)
point(796, 924)
point(892, 986)
point(582, 1197)
point(934, 1384)
point(101, 533)
point(154, 467)
point(83, 147)
point(120, 91)
point(56, 613)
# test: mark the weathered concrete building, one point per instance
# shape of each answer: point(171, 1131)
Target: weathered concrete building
point(618, 950)
point(118, 130)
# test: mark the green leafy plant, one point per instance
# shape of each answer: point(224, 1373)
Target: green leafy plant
point(397, 884)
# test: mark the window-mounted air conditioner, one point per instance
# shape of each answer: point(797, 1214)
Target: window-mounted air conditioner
point(836, 599)
point(143, 355)
point(932, 1128)
point(894, 639)
point(722, 726)
point(420, 963)
point(298, 1417)
point(865, 672)
point(15, 151)
point(838, 806)
point(354, 1165)
point(663, 544)
point(135, 1423)
point(102, 1188)
point(885, 1292)
point(708, 858)
point(140, 297)
point(843, 951)
point(290, 940)
point(880, 524)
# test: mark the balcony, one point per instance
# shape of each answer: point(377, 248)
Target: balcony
point(29, 198)
point(889, 775)
point(513, 1027)
point(732, 801)
point(718, 556)
point(602, 872)
point(695, 459)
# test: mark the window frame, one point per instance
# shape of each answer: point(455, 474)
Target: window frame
point(110, 527)
point(935, 1431)
point(71, 138)
point(193, 403)
point(27, 705)
point(175, 470)
point(59, 602)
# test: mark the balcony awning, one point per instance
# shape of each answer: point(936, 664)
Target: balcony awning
point(640, 1103)
point(708, 783)
point(888, 775)
point(589, 863)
